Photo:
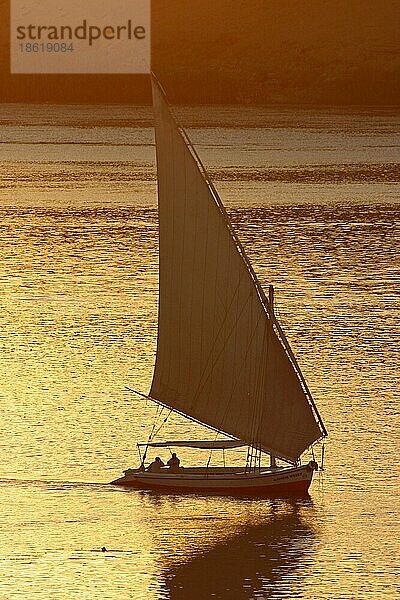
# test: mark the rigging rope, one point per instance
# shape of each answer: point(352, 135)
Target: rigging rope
point(158, 413)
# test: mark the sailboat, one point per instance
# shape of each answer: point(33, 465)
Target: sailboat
point(222, 359)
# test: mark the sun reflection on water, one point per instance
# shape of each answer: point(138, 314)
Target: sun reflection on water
point(78, 249)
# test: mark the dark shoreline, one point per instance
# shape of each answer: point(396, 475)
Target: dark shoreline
point(247, 52)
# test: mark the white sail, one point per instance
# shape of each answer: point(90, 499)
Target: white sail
point(219, 360)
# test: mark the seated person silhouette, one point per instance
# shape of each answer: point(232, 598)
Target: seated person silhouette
point(174, 463)
point(155, 466)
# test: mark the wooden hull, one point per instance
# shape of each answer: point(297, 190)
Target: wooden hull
point(282, 481)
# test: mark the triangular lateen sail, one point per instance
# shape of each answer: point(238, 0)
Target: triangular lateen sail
point(219, 359)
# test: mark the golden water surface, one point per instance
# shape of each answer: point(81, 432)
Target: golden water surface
point(314, 197)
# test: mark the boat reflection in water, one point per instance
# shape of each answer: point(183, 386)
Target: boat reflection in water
point(265, 555)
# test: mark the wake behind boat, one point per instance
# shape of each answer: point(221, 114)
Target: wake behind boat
point(223, 359)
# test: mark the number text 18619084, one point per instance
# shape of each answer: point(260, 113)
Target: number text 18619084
point(46, 47)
